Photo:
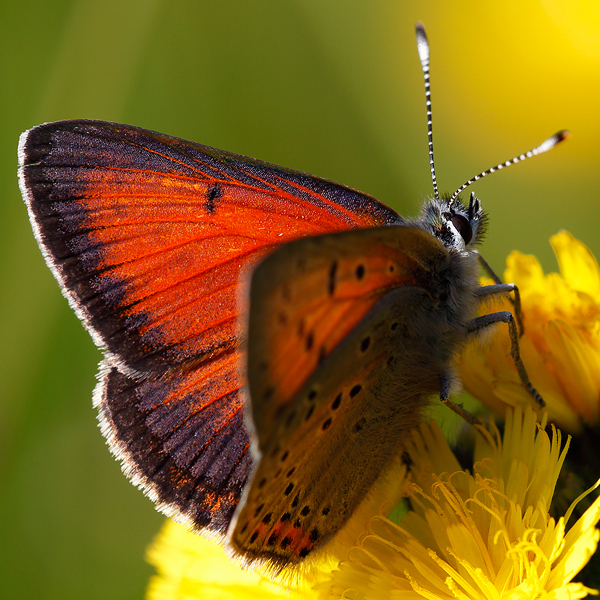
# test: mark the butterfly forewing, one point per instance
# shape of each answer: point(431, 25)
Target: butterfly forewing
point(148, 236)
point(148, 233)
point(355, 402)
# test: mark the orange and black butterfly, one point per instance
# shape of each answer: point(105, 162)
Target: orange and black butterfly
point(265, 410)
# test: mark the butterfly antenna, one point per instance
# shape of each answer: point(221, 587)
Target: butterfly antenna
point(423, 49)
point(543, 147)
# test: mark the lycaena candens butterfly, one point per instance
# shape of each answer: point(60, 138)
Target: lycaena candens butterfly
point(353, 322)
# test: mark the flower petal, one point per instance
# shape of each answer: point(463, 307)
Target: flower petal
point(577, 264)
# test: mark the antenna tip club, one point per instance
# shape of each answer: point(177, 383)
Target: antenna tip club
point(557, 138)
point(422, 43)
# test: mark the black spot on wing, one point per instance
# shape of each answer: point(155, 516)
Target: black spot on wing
point(332, 273)
point(213, 194)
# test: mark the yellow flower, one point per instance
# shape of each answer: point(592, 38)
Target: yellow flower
point(192, 567)
point(479, 536)
point(561, 344)
point(471, 536)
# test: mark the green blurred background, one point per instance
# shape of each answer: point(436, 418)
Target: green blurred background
point(332, 88)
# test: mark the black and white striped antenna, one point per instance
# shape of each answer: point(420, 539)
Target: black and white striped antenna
point(543, 147)
point(423, 49)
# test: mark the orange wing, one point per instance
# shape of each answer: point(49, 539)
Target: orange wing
point(148, 236)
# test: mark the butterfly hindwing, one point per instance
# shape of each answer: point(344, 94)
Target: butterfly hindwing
point(184, 444)
point(149, 236)
point(356, 405)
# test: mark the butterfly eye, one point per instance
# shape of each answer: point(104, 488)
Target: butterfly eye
point(463, 227)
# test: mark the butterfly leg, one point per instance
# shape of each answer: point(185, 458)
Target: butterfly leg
point(507, 317)
point(457, 408)
point(510, 287)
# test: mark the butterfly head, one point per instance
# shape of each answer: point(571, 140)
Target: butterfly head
point(457, 226)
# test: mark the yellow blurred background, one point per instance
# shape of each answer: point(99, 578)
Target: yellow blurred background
point(332, 88)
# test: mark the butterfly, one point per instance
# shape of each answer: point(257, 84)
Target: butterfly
point(269, 337)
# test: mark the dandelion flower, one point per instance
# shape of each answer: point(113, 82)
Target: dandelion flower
point(192, 567)
point(561, 344)
point(485, 535)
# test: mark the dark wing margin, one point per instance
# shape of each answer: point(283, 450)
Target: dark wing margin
point(188, 451)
